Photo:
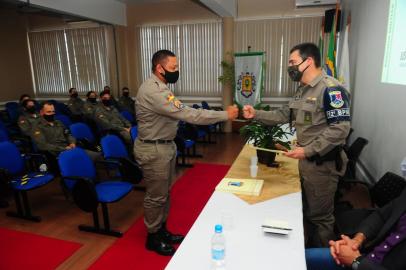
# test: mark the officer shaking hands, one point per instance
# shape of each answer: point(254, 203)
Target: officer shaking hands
point(158, 113)
point(320, 112)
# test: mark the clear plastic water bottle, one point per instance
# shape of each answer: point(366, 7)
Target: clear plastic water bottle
point(218, 248)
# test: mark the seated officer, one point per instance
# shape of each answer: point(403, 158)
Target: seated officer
point(90, 105)
point(75, 105)
point(52, 137)
point(112, 98)
point(380, 243)
point(29, 117)
point(110, 119)
point(126, 102)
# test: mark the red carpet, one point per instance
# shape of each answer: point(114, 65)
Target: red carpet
point(21, 250)
point(189, 196)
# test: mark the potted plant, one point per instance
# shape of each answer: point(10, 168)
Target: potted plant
point(264, 136)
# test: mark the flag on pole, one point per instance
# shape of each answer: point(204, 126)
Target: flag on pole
point(330, 62)
point(331, 52)
point(344, 63)
point(321, 41)
point(249, 76)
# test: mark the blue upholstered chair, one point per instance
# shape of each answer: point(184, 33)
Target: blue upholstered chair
point(13, 171)
point(115, 151)
point(79, 174)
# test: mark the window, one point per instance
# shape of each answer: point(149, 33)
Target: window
point(198, 47)
point(67, 58)
point(276, 37)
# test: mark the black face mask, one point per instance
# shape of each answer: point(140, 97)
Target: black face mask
point(74, 95)
point(126, 94)
point(92, 100)
point(30, 109)
point(171, 77)
point(106, 102)
point(49, 117)
point(294, 73)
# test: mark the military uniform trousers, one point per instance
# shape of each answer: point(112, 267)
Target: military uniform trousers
point(158, 163)
point(319, 185)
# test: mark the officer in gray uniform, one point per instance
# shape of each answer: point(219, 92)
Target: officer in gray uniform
point(320, 111)
point(29, 118)
point(158, 113)
point(108, 117)
point(75, 105)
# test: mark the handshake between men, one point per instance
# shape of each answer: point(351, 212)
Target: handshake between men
point(248, 112)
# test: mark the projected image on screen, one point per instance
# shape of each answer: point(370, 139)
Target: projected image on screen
point(394, 65)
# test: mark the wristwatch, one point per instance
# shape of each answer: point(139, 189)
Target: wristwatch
point(355, 263)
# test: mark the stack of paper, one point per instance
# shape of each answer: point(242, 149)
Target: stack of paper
point(241, 186)
point(276, 226)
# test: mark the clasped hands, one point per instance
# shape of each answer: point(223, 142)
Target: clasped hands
point(345, 250)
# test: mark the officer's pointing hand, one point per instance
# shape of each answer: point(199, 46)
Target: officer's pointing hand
point(249, 112)
point(232, 112)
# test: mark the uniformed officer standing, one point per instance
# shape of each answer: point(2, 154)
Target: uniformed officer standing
point(126, 102)
point(321, 112)
point(158, 112)
point(29, 118)
point(75, 105)
point(110, 119)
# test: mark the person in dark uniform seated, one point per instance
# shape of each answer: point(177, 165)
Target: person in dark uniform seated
point(126, 102)
point(75, 105)
point(109, 119)
point(380, 243)
point(89, 109)
point(29, 118)
point(51, 136)
point(114, 102)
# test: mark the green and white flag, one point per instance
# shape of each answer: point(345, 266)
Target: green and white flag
point(249, 76)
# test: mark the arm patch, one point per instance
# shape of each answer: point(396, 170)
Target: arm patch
point(336, 105)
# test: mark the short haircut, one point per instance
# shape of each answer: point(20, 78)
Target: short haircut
point(25, 102)
point(23, 96)
point(48, 102)
point(160, 57)
point(103, 93)
point(90, 92)
point(71, 89)
point(308, 50)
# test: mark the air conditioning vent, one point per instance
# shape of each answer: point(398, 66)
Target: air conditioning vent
point(314, 3)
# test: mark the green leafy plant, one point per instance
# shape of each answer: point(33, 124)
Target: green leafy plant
point(228, 76)
point(264, 136)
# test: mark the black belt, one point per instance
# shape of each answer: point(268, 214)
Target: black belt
point(157, 141)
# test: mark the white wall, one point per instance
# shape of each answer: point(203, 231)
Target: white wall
point(109, 11)
point(379, 109)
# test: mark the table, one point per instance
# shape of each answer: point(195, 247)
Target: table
point(247, 246)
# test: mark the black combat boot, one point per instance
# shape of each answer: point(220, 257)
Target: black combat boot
point(169, 237)
point(155, 243)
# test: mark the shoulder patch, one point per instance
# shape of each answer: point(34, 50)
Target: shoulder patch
point(336, 105)
point(22, 122)
point(174, 101)
point(37, 132)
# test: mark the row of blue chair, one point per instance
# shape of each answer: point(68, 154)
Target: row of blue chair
point(79, 177)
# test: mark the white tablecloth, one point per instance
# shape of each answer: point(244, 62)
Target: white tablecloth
point(247, 246)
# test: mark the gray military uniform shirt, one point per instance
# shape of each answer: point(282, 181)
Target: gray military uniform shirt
point(320, 114)
point(75, 105)
point(110, 118)
point(52, 137)
point(158, 112)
